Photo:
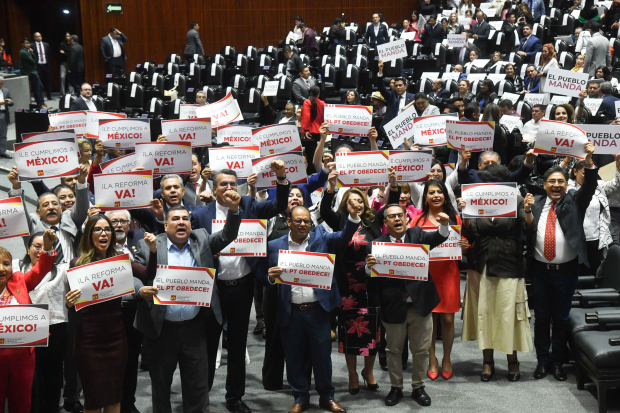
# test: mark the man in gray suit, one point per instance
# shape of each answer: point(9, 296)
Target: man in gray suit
point(177, 333)
point(597, 52)
point(5, 117)
point(302, 85)
point(193, 45)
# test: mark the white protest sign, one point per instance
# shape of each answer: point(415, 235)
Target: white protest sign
point(184, 285)
point(92, 121)
point(237, 158)
point(457, 40)
point(362, 168)
point(566, 82)
point(69, 120)
point(411, 166)
point(450, 249)
point(472, 77)
point(617, 103)
point(451, 76)
point(102, 280)
point(429, 75)
point(498, 200)
point(561, 139)
point(559, 100)
point(349, 120)
point(294, 166)
point(605, 138)
point(221, 112)
point(513, 97)
point(392, 50)
point(47, 159)
point(407, 35)
point(511, 122)
point(251, 239)
point(235, 135)
point(476, 136)
point(271, 88)
point(121, 164)
point(592, 104)
point(24, 325)
point(316, 196)
point(165, 158)
point(401, 127)
point(123, 190)
point(431, 130)
point(307, 269)
point(13, 219)
point(195, 131)
point(188, 111)
point(275, 139)
point(48, 136)
point(534, 98)
point(124, 133)
point(398, 260)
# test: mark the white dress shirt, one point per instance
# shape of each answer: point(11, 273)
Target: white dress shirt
point(40, 53)
point(116, 46)
point(231, 268)
point(376, 29)
point(530, 130)
point(51, 292)
point(91, 105)
point(564, 252)
point(401, 102)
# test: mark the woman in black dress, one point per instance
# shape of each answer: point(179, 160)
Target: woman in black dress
point(100, 346)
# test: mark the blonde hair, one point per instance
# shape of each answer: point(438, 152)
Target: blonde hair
point(368, 215)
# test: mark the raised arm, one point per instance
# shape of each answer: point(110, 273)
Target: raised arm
point(269, 209)
point(586, 192)
point(331, 217)
point(219, 240)
point(337, 240)
point(45, 263)
point(79, 212)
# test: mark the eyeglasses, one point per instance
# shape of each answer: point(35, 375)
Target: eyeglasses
point(37, 247)
point(97, 230)
point(556, 182)
point(394, 216)
point(300, 221)
point(120, 222)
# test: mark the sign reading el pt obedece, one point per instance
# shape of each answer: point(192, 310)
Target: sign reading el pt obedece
point(48, 136)
point(237, 158)
point(184, 285)
point(398, 260)
point(235, 135)
point(475, 136)
point(69, 120)
point(411, 166)
point(195, 131)
point(560, 138)
point(25, 325)
point(124, 133)
point(450, 249)
point(348, 120)
point(13, 219)
point(275, 139)
point(307, 269)
point(294, 166)
point(251, 239)
point(165, 158)
point(124, 190)
point(47, 159)
point(362, 168)
point(490, 200)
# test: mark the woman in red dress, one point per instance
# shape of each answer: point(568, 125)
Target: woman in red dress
point(445, 274)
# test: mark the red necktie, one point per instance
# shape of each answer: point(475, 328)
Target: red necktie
point(549, 249)
point(398, 241)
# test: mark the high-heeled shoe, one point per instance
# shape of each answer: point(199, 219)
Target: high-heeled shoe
point(513, 377)
point(371, 387)
point(487, 377)
point(433, 375)
point(446, 375)
point(354, 390)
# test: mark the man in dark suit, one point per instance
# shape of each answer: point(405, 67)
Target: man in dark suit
point(337, 33)
point(557, 241)
point(5, 117)
point(406, 306)
point(177, 333)
point(302, 85)
point(269, 116)
point(396, 99)
point(293, 63)
point(468, 175)
point(480, 32)
point(85, 101)
point(310, 47)
point(76, 63)
point(376, 32)
point(235, 279)
point(510, 42)
point(609, 100)
point(303, 312)
point(193, 45)
point(529, 45)
point(41, 51)
point(433, 33)
point(440, 91)
point(531, 84)
point(112, 50)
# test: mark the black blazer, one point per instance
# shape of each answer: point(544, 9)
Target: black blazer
point(79, 104)
point(7, 113)
point(508, 44)
point(393, 292)
point(296, 65)
point(433, 35)
point(482, 30)
point(107, 50)
point(310, 45)
point(392, 101)
point(46, 52)
point(381, 38)
point(570, 212)
point(444, 95)
point(76, 58)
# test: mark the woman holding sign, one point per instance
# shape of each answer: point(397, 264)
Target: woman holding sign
point(446, 274)
point(438, 171)
point(496, 311)
point(100, 346)
point(18, 363)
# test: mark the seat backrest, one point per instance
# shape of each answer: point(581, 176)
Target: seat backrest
point(134, 77)
point(148, 68)
point(194, 75)
point(174, 109)
point(504, 86)
point(209, 93)
point(285, 89)
point(198, 59)
point(516, 59)
point(281, 69)
point(262, 63)
point(475, 87)
point(351, 38)
point(229, 53)
point(251, 52)
point(174, 58)
point(350, 77)
point(154, 107)
point(215, 75)
point(241, 64)
point(440, 53)
point(329, 74)
point(538, 31)
point(65, 102)
point(326, 59)
point(452, 85)
point(566, 60)
point(238, 82)
point(568, 25)
point(360, 61)
point(178, 80)
point(260, 80)
point(271, 52)
point(218, 59)
point(340, 62)
point(609, 271)
point(560, 46)
point(393, 68)
point(251, 102)
point(134, 96)
point(537, 58)
point(360, 49)
point(304, 59)
point(172, 68)
point(233, 92)
point(424, 85)
point(156, 82)
point(524, 110)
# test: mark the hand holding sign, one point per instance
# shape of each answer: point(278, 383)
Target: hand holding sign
point(370, 261)
point(333, 180)
point(83, 173)
point(151, 241)
point(148, 292)
point(274, 273)
point(14, 178)
point(158, 209)
point(277, 166)
point(589, 149)
point(72, 297)
point(392, 177)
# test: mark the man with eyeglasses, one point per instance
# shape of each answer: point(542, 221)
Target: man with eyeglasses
point(557, 241)
point(235, 278)
point(406, 306)
point(532, 81)
point(303, 312)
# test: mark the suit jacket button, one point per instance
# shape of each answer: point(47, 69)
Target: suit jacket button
point(17, 291)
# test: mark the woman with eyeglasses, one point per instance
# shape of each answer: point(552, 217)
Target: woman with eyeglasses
point(100, 345)
point(487, 93)
point(463, 93)
point(514, 78)
point(445, 274)
point(581, 58)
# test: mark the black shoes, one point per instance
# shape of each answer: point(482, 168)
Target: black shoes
point(420, 396)
point(259, 328)
point(237, 406)
point(487, 377)
point(73, 407)
point(558, 372)
point(541, 371)
point(513, 377)
point(394, 396)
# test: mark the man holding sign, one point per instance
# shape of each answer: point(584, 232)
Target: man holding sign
point(303, 312)
point(406, 306)
point(396, 99)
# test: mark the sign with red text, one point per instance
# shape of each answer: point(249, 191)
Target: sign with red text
point(401, 127)
point(184, 285)
point(605, 138)
point(294, 166)
point(48, 136)
point(566, 82)
point(348, 120)
point(450, 249)
point(490, 200)
point(221, 112)
point(392, 50)
point(69, 120)
point(101, 281)
point(362, 168)
point(431, 130)
point(475, 136)
point(561, 139)
point(237, 158)
point(123, 190)
point(271, 88)
point(47, 159)
point(275, 139)
point(25, 325)
point(398, 260)
point(235, 135)
point(13, 219)
point(188, 111)
point(123, 163)
point(165, 158)
point(411, 166)
point(251, 239)
point(92, 121)
point(306, 269)
point(195, 131)
point(124, 133)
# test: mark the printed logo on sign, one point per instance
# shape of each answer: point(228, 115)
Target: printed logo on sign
point(340, 130)
point(296, 280)
point(399, 177)
point(391, 271)
point(156, 170)
point(356, 181)
point(481, 211)
point(271, 151)
point(273, 183)
point(95, 296)
point(1, 341)
point(173, 297)
point(117, 204)
point(430, 141)
point(40, 173)
point(232, 250)
point(553, 149)
point(118, 144)
point(463, 146)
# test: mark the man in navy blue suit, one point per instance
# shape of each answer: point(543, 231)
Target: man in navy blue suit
point(530, 44)
point(376, 32)
point(303, 312)
point(235, 279)
point(609, 100)
point(537, 7)
point(468, 175)
point(396, 99)
point(532, 81)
